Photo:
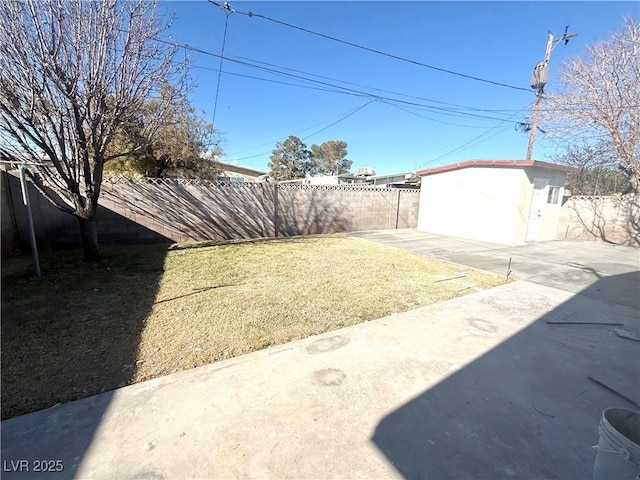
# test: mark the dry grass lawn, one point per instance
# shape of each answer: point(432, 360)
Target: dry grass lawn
point(148, 311)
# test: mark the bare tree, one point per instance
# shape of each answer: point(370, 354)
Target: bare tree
point(73, 73)
point(599, 173)
point(599, 100)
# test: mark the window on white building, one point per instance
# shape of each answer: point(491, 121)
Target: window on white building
point(554, 194)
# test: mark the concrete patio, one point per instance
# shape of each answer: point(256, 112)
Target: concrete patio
point(570, 265)
point(477, 387)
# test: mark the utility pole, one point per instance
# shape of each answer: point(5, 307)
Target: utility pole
point(539, 80)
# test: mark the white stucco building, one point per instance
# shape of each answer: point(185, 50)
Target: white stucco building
point(235, 173)
point(501, 201)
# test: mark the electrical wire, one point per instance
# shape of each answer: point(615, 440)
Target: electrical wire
point(566, 142)
point(430, 118)
point(338, 121)
point(339, 89)
point(445, 111)
point(224, 41)
point(332, 88)
point(294, 133)
point(492, 7)
point(263, 79)
point(388, 100)
point(474, 139)
point(344, 117)
point(377, 89)
point(473, 142)
point(270, 70)
point(336, 89)
point(439, 110)
point(267, 80)
point(373, 50)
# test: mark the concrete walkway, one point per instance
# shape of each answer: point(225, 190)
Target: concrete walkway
point(476, 387)
point(567, 265)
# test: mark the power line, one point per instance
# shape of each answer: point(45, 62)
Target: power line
point(377, 89)
point(310, 87)
point(344, 117)
point(268, 80)
point(451, 111)
point(226, 9)
point(572, 143)
point(338, 121)
point(446, 111)
point(373, 50)
point(332, 88)
point(430, 118)
point(270, 70)
point(340, 89)
point(439, 110)
point(492, 7)
point(466, 145)
point(463, 146)
point(474, 139)
point(294, 133)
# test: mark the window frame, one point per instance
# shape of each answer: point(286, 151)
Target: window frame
point(553, 197)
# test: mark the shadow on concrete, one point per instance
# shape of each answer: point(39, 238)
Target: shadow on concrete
point(93, 348)
point(526, 408)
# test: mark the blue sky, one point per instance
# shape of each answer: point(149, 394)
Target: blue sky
point(443, 121)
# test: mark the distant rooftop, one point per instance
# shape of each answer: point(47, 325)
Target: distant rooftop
point(237, 168)
point(497, 163)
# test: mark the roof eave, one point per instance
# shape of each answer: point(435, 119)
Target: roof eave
point(497, 163)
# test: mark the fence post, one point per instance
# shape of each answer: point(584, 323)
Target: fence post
point(397, 208)
point(275, 209)
point(32, 235)
point(15, 231)
point(389, 208)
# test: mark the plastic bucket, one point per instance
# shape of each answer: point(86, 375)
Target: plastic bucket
point(618, 454)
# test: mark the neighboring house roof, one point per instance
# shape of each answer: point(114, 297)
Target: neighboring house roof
point(392, 175)
point(295, 180)
point(389, 176)
point(497, 163)
point(228, 167)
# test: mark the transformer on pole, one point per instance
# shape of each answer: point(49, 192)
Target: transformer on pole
point(539, 80)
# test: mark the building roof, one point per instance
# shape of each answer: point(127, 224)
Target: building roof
point(497, 163)
point(295, 180)
point(242, 170)
point(389, 175)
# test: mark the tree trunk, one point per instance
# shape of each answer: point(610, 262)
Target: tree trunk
point(89, 233)
point(634, 182)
